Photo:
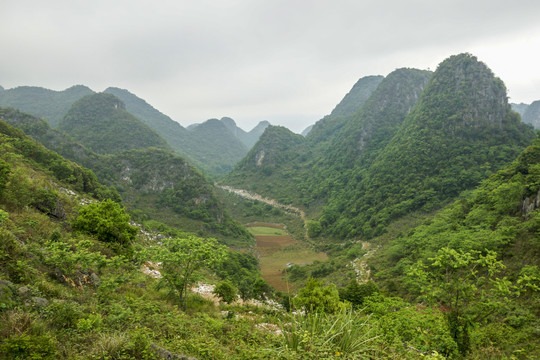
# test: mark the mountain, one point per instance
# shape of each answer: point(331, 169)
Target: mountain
point(153, 181)
point(205, 153)
point(532, 114)
point(330, 125)
point(164, 185)
point(215, 149)
point(49, 104)
point(252, 136)
point(217, 146)
point(461, 130)
point(267, 166)
point(318, 167)
point(360, 92)
point(169, 129)
point(500, 216)
point(306, 130)
point(247, 138)
point(519, 108)
point(101, 123)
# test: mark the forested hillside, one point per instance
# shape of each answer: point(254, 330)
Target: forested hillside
point(74, 276)
point(101, 123)
point(143, 178)
point(313, 169)
point(406, 148)
point(500, 218)
point(44, 103)
point(211, 149)
point(461, 130)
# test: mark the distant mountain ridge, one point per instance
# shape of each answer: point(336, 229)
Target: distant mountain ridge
point(247, 138)
point(212, 155)
point(531, 115)
point(44, 103)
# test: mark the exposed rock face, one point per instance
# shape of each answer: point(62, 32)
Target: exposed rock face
point(39, 301)
point(531, 203)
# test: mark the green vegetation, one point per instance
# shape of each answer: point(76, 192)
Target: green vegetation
point(101, 123)
point(441, 259)
point(43, 103)
point(262, 230)
point(180, 258)
point(226, 291)
point(107, 220)
point(213, 147)
point(145, 179)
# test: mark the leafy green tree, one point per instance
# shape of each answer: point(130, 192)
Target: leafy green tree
point(355, 293)
point(5, 171)
point(181, 258)
point(261, 289)
point(107, 220)
point(226, 291)
point(314, 297)
point(314, 228)
point(465, 284)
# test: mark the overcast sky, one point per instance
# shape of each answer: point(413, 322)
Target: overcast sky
point(286, 61)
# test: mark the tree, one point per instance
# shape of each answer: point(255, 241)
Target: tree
point(226, 291)
point(314, 228)
point(465, 284)
point(314, 297)
point(355, 293)
point(5, 171)
point(107, 220)
point(180, 259)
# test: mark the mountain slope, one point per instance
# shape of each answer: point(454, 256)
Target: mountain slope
point(501, 215)
point(147, 180)
point(266, 167)
point(318, 167)
point(211, 148)
point(531, 115)
point(101, 123)
point(206, 153)
point(365, 134)
point(324, 129)
point(360, 92)
point(461, 130)
point(44, 103)
point(217, 146)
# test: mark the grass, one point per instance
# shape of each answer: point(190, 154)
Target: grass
point(262, 230)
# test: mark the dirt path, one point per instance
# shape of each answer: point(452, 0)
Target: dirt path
point(360, 265)
point(252, 196)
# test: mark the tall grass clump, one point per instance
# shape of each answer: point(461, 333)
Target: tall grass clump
point(346, 334)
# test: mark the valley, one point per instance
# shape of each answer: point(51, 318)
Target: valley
point(277, 250)
point(405, 224)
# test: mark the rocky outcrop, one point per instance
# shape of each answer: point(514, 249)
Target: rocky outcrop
point(531, 203)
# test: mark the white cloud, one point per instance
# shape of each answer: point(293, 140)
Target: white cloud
point(289, 62)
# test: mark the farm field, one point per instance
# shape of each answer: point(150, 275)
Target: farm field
point(276, 249)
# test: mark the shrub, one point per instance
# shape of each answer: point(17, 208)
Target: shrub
point(107, 220)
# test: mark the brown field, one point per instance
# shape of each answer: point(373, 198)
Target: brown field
point(273, 241)
point(278, 251)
